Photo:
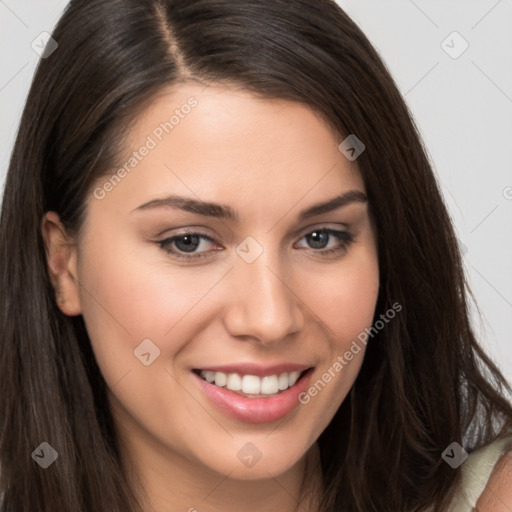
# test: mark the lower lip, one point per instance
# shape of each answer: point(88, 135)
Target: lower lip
point(255, 410)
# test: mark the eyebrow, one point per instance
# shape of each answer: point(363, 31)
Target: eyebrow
point(221, 211)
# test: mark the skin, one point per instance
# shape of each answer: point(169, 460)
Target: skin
point(497, 495)
point(268, 160)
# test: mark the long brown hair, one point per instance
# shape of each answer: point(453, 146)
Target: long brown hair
point(425, 381)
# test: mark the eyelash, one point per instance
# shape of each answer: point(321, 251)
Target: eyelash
point(346, 238)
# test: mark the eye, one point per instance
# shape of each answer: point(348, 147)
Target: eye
point(319, 240)
point(186, 245)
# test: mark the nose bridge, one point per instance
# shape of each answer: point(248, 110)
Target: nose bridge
point(263, 305)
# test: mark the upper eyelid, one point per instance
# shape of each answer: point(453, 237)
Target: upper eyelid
point(318, 226)
point(300, 233)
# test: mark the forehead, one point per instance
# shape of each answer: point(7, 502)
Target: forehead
point(224, 144)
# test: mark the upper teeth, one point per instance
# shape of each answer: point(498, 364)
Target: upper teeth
point(252, 384)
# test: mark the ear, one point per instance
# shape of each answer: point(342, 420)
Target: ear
point(61, 260)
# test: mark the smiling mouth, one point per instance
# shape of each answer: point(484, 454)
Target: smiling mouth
point(252, 386)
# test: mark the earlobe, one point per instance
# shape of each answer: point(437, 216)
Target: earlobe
point(61, 260)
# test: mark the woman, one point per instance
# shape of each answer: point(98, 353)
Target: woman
point(229, 279)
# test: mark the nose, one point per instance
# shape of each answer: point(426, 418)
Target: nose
point(262, 305)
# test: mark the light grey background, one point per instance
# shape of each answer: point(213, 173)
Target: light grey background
point(462, 106)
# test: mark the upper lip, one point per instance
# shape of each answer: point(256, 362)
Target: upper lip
point(257, 369)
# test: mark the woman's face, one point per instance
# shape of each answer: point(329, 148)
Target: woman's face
point(262, 291)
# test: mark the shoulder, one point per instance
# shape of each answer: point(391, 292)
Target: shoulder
point(486, 483)
point(497, 495)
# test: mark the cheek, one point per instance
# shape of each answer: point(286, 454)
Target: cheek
point(121, 285)
point(126, 300)
point(344, 297)
point(344, 306)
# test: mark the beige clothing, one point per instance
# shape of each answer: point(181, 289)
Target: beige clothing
point(476, 471)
